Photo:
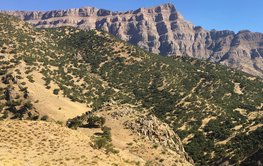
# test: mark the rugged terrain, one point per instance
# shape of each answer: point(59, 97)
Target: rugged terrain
point(161, 30)
point(59, 73)
point(29, 94)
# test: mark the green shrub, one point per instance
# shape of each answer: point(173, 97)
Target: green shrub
point(5, 115)
point(106, 132)
point(44, 118)
point(104, 141)
point(74, 123)
point(30, 78)
point(99, 142)
point(96, 121)
point(56, 91)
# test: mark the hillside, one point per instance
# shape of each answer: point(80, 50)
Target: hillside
point(163, 30)
point(210, 106)
point(64, 72)
point(29, 93)
point(46, 143)
point(42, 143)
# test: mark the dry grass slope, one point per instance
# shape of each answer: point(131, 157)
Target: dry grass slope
point(26, 143)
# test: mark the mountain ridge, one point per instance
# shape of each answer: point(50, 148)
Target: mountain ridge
point(162, 30)
point(60, 73)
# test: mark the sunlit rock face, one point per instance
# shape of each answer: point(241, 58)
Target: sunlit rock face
point(161, 30)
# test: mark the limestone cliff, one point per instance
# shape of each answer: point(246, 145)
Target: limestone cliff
point(161, 30)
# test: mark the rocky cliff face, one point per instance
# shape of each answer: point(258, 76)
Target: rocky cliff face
point(164, 31)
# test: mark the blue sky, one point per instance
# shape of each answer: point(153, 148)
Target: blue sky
point(211, 14)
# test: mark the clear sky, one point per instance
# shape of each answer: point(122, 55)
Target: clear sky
point(211, 14)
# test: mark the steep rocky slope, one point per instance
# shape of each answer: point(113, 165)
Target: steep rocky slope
point(162, 30)
point(216, 111)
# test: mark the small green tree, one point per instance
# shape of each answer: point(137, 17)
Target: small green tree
point(106, 133)
point(56, 91)
point(96, 121)
point(74, 123)
point(99, 142)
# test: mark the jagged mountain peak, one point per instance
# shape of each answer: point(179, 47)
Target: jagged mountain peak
point(165, 6)
point(88, 11)
point(162, 30)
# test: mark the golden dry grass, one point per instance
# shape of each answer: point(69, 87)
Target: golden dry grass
point(26, 143)
point(58, 107)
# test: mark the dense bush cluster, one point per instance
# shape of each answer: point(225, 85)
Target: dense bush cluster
point(86, 120)
point(103, 141)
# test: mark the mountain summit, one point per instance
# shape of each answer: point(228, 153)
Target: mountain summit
point(162, 30)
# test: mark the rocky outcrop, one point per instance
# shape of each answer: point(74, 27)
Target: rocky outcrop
point(158, 132)
point(149, 127)
point(161, 30)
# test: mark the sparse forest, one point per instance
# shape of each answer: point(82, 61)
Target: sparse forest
point(196, 98)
